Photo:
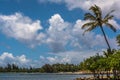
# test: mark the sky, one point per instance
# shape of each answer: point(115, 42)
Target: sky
point(38, 32)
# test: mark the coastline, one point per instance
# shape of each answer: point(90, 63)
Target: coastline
point(59, 73)
point(75, 73)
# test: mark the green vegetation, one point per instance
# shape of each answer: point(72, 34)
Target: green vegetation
point(47, 68)
point(102, 64)
point(15, 68)
point(118, 40)
point(60, 68)
point(95, 20)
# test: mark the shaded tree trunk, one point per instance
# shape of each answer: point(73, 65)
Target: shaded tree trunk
point(105, 38)
point(108, 74)
point(94, 75)
point(114, 74)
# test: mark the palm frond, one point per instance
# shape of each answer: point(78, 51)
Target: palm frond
point(107, 18)
point(87, 24)
point(111, 26)
point(91, 27)
point(110, 17)
point(108, 14)
point(89, 16)
point(96, 10)
point(105, 53)
point(99, 12)
point(93, 9)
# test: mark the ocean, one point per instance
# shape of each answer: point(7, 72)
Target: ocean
point(39, 76)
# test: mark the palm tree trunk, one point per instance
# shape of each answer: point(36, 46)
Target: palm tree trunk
point(105, 38)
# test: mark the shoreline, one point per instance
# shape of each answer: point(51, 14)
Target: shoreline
point(59, 73)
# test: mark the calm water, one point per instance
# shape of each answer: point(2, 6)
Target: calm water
point(36, 76)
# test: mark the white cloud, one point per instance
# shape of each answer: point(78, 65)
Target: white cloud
point(21, 61)
point(62, 34)
point(62, 37)
point(106, 5)
point(6, 55)
point(52, 59)
point(115, 24)
point(74, 57)
point(6, 58)
point(21, 28)
point(58, 33)
point(66, 57)
point(89, 40)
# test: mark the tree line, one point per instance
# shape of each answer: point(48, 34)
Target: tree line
point(47, 68)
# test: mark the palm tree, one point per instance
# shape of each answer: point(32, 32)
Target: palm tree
point(96, 20)
point(118, 39)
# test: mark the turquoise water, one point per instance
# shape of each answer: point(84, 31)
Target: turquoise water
point(38, 76)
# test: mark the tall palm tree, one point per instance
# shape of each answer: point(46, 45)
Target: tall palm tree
point(96, 20)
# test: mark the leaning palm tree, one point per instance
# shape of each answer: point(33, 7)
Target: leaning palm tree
point(96, 20)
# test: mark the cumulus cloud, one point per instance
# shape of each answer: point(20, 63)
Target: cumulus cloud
point(106, 5)
point(58, 33)
point(52, 59)
point(62, 37)
point(115, 24)
point(61, 34)
point(89, 40)
point(21, 28)
point(21, 61)
point(74, 57)
point(7, 57)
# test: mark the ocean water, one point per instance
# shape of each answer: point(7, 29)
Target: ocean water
point(39, 76)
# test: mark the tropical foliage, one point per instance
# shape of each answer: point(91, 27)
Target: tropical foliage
point(110, 62)
point(96, 20)
point(101, 65)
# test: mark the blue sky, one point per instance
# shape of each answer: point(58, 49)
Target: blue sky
point(35, 32)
